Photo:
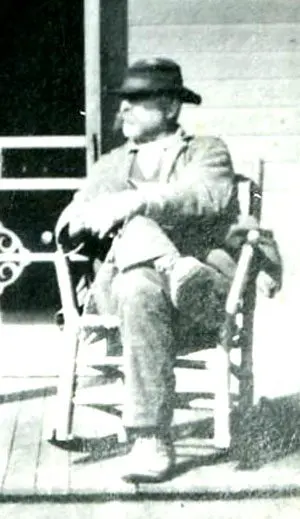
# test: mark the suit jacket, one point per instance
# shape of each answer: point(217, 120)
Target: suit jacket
point(193, 198)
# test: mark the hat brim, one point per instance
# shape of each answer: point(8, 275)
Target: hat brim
point(185, 95)
point(188, 96)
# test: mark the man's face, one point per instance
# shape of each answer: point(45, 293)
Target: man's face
point(145, 118)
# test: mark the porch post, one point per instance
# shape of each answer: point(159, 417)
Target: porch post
point(105, 58)
point(92, 81)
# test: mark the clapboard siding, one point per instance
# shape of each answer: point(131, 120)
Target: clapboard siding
point(278, 148)
point(216, 38)
point(230, 65)
point(244, 59)
point(275, 179)
point(144, 12)
point(243, 56)
point(246, 94)
point(242, 121)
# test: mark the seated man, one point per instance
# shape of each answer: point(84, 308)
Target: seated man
point(170, 198)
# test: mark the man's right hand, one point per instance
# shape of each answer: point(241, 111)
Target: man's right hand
point(72, 216)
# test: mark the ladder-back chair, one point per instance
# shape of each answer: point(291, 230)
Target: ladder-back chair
point(236, 333)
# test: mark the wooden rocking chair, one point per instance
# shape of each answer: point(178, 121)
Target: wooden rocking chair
point(236, 333)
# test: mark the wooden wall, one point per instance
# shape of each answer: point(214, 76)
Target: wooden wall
point(244, 58)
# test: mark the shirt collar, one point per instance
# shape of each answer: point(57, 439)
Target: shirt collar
point(162, 144)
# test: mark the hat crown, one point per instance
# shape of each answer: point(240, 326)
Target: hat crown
point(156, 63)
point(156, 76)
point(162, 69)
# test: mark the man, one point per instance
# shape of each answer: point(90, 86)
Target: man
point(169, 198)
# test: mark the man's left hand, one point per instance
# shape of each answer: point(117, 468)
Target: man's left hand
point(266, 285)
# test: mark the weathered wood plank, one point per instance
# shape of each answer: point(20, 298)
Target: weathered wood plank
point(21, 470)
point(143, 12)
point(241, 121)
point(232, 65)
point(168, 39)
point(8, 418)
point(53, 462)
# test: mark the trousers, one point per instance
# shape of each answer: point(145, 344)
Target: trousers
point(151, 332)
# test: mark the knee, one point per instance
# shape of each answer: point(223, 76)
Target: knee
point(137, 286)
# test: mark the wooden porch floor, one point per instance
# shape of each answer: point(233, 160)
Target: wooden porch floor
point(31, 466)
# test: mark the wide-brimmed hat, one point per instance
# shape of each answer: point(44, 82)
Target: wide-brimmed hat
point(156, 76)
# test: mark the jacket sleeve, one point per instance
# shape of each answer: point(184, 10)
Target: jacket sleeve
point(105, 178)
point(203, 186)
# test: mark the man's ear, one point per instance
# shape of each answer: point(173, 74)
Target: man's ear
point(173, 110)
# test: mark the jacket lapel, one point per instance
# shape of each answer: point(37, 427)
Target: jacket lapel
point(171, 157)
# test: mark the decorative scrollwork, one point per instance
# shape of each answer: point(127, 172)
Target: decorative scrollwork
point(13, 258)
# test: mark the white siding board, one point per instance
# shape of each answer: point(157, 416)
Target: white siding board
point(230, 65)
point(276, 175)
point(281, 149)
point(143, 12)
point(242, 121)
point(247, 94)
point(167, 39)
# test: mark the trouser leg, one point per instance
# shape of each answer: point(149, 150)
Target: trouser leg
point(141, 296)
point(147, 337)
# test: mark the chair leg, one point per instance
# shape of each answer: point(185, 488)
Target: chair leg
point(246, 381)
point(222, 436)
point(67, 377)
point(66, 387)
point(247, 377)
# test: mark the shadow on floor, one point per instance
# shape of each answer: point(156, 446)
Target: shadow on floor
point(267, 432)
point(28, 394)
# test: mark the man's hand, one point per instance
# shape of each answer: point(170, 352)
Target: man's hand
point(111, 209)
point(71, 216)
point(266, 285)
